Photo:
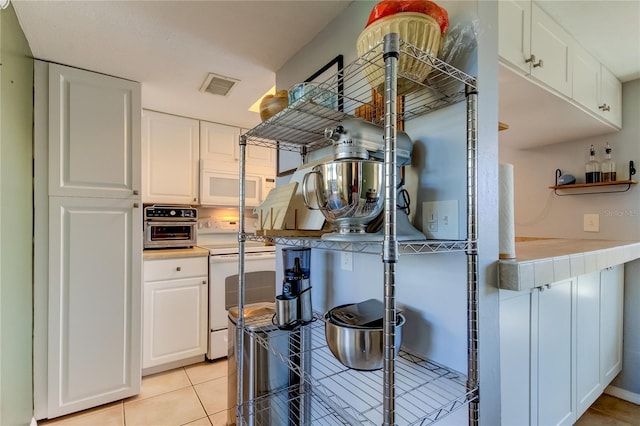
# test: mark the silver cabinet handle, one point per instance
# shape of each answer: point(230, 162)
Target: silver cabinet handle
point(604, 107)
point(135, 192)
point(204, 282)
point(532, 59)
point(135, 205)
point(178, 269)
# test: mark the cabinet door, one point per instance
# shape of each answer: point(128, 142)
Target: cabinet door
point(515, 357)
point(610, 97)
point(588, 384)
point(94, 339)
point(170, 154)
point(555, 366)
point(260, 159)
point(611, 308)
point(514, 32)
point(220, 143)
point(175, 320)
point(586, 79)
point(551, 45)
point(94, 134)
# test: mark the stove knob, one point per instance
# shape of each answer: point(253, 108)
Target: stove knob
point(172, 212)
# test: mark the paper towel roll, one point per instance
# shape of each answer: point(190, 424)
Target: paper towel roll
point(507, 241)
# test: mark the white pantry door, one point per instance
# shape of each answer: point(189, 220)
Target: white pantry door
point(94, 302)
point(94, 134)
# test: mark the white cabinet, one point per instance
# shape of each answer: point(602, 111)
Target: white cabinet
point(553, 331)
point(550, 50)
point(532, 42)
point(94, 302)
point(560, 346)
point(610, 100)
point(514, 32)
point(170, 154)
point(515, 357)
point(611, 308)
point(174, 312)
point(89, 243)
point(219, 142)
point(93, 135)
point(588, 384)
point(596, 88)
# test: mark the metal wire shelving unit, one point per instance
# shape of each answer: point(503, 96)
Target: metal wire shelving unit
point(426, 391)
point(409, 390)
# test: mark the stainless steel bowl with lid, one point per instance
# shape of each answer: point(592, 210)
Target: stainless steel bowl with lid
point(360, 348)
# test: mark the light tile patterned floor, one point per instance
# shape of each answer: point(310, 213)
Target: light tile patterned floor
point(195, 395)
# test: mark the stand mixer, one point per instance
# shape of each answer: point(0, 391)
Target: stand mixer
point(350, 189)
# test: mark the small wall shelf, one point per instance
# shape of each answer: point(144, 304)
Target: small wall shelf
point(602, 185)
point(615, 185)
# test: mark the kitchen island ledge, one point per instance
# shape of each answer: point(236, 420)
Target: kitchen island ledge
point(541, 261)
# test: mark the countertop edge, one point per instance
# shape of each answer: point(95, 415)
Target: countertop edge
point(153, 254)
point(524, 275)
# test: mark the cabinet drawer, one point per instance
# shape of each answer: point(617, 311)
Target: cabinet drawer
point(168, 269)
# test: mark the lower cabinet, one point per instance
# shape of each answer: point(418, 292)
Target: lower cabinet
point(553, 333)
point(560, 346)
point(174, 320)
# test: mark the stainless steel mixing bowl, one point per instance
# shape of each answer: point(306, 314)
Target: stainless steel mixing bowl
point(360, 348)
point(350, 193)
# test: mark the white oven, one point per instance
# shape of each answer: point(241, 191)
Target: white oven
point(222, 188)
point(260, 267)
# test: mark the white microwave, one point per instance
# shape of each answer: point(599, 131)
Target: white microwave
point(222, 188)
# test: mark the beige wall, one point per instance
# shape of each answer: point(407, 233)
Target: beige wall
point(16, 211)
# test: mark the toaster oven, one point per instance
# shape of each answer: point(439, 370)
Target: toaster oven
point(170, 226)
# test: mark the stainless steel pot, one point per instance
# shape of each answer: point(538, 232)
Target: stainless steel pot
point(360, 348)
point(349, 192)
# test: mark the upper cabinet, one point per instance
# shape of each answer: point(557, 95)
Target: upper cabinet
point(596, 88)
point(550, 58)
point(610, 99)
point(533, 43)
point(170, 154)
point(551, 72)
point(220, 144)
point(515, 33)
point(84, 133)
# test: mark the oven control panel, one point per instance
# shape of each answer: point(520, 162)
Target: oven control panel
point(170, 212)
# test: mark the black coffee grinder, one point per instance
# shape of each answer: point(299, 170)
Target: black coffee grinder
point(293, 306)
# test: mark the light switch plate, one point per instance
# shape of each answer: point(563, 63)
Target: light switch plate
point(440, 219)
point(591, 222)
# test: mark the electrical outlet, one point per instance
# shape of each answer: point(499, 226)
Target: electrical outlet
point(346, 261)
point(440, 219)
point(591, 222)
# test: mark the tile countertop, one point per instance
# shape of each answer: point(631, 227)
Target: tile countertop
point(150, 254)
point(541, 261)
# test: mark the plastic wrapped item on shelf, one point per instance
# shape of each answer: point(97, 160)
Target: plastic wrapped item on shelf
point(457, 49)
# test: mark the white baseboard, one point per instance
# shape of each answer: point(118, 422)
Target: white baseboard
point(623, 394)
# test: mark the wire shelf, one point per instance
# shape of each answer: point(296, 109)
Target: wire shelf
point(298, 405)
point(301, 125)
point(404, 247)
point(425, 391)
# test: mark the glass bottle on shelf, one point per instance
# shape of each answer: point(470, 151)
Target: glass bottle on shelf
point(592, 168)
point(608, 166)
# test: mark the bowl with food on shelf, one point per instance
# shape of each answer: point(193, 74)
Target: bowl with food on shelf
point(422, 24)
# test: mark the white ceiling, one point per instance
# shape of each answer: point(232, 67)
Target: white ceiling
point(170, 46)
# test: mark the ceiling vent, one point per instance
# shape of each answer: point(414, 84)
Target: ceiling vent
point(218, 84)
